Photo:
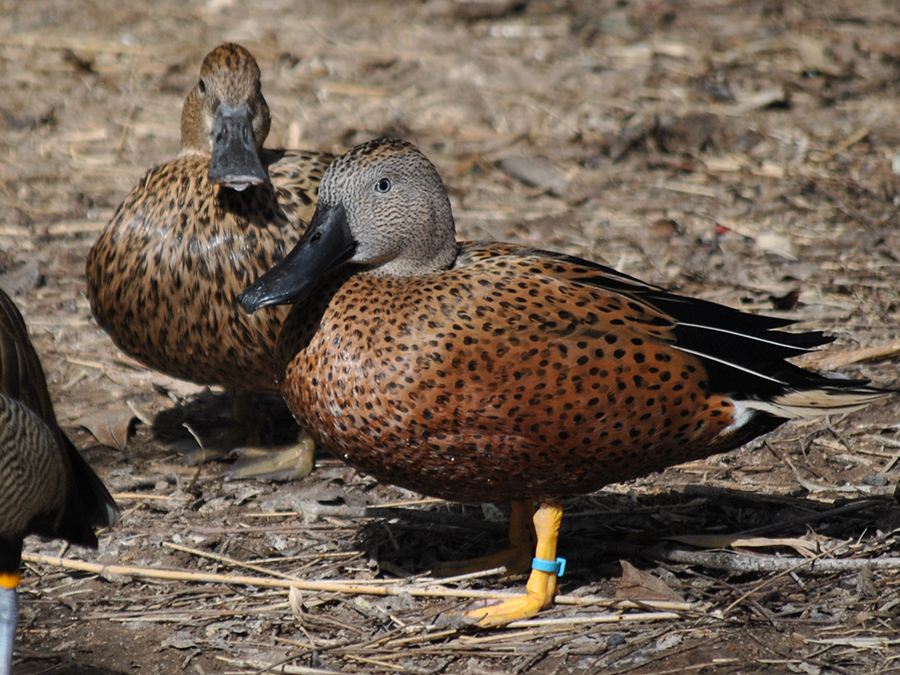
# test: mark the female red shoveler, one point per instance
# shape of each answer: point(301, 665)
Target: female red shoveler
point(164, 274)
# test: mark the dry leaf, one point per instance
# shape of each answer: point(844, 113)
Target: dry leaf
point(777, 244)
point(182, 388)
point(295, 598)
point(638, 585)
point(805, 548)
point(537, 172)
point(180, 640)
point(110, 427)
point(833, 360)
point(775, 96)
point(814, 55)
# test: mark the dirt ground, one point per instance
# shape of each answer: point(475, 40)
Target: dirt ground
point(745, 152)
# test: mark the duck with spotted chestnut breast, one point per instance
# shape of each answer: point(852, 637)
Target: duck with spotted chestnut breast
point(494, 372)
point(163, 276)
point(46, 487)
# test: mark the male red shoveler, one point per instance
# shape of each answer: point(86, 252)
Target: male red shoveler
point(493, 372)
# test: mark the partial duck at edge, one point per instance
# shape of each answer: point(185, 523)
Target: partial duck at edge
point(46, 487)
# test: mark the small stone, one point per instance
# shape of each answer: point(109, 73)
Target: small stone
point(615, 640)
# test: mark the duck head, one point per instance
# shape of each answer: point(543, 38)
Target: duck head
point(382, 206)
point(226, 118)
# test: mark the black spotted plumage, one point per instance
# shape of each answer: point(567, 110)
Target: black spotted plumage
point(488, 372)
point(164, 274)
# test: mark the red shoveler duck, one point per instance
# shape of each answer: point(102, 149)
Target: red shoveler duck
point(46, 487)
point(494, 372)
point(163, 276)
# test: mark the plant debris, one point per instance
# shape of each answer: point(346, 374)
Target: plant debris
point(744, 153)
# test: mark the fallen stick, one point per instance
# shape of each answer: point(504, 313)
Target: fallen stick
point(596, 618)
point(287, 669)
point(832, 360)
point(224, 559)
point(848, 142)
point(742, 563)
point(349, 587)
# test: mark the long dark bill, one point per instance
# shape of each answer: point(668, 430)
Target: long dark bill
point(235, 160)
point(326, 244)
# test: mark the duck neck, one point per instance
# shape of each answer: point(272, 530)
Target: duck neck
point(417, 264)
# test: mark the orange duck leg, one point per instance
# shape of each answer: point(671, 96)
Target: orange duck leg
point(541, 587)
point(516, 559)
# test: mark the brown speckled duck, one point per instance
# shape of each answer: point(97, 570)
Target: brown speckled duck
point(488, 372)
point(164, 274)
point(46, 488)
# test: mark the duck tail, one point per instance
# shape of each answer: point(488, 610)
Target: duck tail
point(88, 501)
point(831, 396)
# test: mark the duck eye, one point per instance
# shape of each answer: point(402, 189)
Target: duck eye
point(384, 185)
point(202, 86)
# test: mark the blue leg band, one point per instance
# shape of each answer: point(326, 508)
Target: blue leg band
point(557, 567)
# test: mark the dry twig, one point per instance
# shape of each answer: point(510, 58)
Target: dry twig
point(349, 587)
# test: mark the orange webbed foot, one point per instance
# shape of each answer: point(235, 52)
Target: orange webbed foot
point(294, 461)
point(290, 462)
point(516, 559)
point(541, 587)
